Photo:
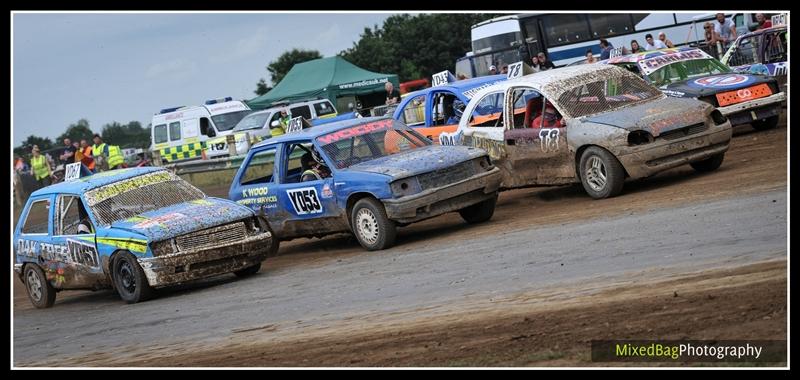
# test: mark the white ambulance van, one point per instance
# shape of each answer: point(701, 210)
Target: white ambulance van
point(189, 132)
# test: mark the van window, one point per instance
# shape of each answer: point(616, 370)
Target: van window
point(37, 220)
point(175, 131)
point(160, 133)
point(303, 111)
point(324, 108)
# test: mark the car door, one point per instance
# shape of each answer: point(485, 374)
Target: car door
point(81, 264)
point(537, 148)
point(310, 207)
point(33, 241)
point(485, 125)
point(254, 186)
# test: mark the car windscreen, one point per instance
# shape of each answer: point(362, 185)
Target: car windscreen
point(253, 121)
point(227, 121)
point(608, 94)
point(137, 195)
point(365, 142)
point(683, 70)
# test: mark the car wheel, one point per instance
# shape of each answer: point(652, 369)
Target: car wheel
point(249, 271)
point(709, 164)
point(40, 292)
point(768, 123)
point(130, 280)
point(372, 227)
point(479, 212)
point(601, 173)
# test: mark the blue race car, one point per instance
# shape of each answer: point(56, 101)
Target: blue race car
point(365, 176)
point(134, 230)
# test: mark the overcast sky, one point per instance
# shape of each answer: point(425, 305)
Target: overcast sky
point(125, 67)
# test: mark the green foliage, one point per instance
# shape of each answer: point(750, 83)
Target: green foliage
point(262, 88)
point(130, 135)
point(76, 132)
point(44, 143)
point(414, 47)
point(281, 66)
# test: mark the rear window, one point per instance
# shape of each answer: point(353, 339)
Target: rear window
point(366, 142)
point(324, 108)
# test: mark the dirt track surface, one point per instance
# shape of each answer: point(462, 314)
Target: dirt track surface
point(542, 247)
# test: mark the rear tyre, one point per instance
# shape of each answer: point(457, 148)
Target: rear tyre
point(768, 123)
point(372, 227)
point(40, 292)
point(479, 212)
point(129, 279)
point(709, 164)
point(601, 173)
point(249, 271)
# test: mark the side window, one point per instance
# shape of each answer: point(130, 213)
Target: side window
point(528, 106)
point(70, 215)
point(160, 133)
point(303, 111)
point(175, 131)
point(775, 47)
point(37, 220)
point(324, 108)
point(488, 112)
point(443, 112)
point(414, 113)
point(260, 168)
point(296, 162)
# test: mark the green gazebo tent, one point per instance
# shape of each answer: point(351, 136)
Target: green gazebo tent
point(331, 78)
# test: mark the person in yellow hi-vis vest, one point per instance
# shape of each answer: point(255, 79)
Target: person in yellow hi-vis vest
point(112, 154)
point(40, 169)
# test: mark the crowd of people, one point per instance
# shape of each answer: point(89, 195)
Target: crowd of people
point(96, 157)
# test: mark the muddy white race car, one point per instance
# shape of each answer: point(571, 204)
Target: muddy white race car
point(594, 124)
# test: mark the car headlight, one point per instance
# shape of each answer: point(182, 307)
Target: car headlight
point(164, 247)
point(639, 138)
point(718, 117)
point(406, 186)
point(483, 164)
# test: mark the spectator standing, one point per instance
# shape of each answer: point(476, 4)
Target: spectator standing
point(68, 156)
point(86, 155)
point(535, 64)
point(544, 63)
point(40, 168)
point(653, 44)
point(590, 57)
point(663, 38)
point(392, 95)
point(725, 29)
point(605, 49)
point(709, 34)
point(763, 22)
point(635, 48)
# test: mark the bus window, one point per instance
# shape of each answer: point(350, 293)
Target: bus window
point(607, 25)
point(562, 29)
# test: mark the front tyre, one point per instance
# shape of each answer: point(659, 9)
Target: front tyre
point(40, 292)
point(372, 227)
point(479, 212)
point(601, 173)
point(709, 164)
point(129, 279)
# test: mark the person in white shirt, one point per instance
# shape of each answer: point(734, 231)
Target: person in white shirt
point(725, 28)
point(653, 44)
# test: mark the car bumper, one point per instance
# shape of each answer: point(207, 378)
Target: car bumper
point(193, 265)
point(444, 199)
point(755, 109)
point(663, 155)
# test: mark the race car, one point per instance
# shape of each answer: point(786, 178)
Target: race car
point(753, 99)
point(366, 176)
point(593, 124)
point(437, 109)
point(133, 230)
point(763, 51)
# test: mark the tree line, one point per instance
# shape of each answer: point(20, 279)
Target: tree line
point(412, 47)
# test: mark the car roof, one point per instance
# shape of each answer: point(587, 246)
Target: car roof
point(85, 184)
point(314, 132)
point(459, 86)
